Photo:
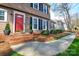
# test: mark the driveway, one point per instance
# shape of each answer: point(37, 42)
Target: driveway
point(44, 48)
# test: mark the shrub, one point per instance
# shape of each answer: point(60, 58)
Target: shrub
point(59, 31)
point(45, 32)
point(7, 27)
point(31, 31)
point(56, 31)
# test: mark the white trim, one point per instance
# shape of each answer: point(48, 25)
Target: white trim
point(14, 21)
point(33, 23)
point(5, 15)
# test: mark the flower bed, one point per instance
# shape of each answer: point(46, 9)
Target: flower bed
point(22, 37)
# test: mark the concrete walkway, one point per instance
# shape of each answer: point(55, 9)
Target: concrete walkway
point(44, 48)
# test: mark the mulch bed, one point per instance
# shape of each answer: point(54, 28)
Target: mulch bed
point(19, 38)
point(4, 49)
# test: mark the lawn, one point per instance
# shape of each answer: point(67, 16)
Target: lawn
point(13, 53)
point(73, 50)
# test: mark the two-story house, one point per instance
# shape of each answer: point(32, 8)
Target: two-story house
point(24, 17)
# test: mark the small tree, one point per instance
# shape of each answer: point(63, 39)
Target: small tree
point(7, 27)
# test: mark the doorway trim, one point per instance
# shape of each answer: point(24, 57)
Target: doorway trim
point(14, 20)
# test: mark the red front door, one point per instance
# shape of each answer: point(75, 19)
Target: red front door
point(18, 22)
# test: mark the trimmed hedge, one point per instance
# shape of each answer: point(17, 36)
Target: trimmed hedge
point(56, 31)
point(45, 32)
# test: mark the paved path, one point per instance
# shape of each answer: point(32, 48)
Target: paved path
point(44, 49)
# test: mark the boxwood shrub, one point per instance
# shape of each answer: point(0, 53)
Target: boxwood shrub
point(56, 31)
point(45, 32)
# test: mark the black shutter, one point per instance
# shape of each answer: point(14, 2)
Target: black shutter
point(47, 25)
point(40, 24)
point(31, 4)
point(30, 23)
point(41, 7)
point(47, 10)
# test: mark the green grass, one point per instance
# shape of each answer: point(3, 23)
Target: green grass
point(73, 50)
point(13, 53)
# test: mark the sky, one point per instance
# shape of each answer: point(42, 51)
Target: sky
point(74, 9)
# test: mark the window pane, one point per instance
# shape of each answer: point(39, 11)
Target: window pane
point(35, 23)
point(36, 5)
point(1, 12)
point(1, 17)
point(43, 24)
point(41, 7)
point(45, 9)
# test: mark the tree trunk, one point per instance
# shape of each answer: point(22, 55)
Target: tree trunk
point(69, 20)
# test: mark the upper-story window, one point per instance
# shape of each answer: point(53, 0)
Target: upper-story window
point(40, 6)
point(45, 8)
point(3, 15)
point(35, 5)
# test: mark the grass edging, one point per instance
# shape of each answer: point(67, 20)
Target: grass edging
point(73, 49)
point(14, 53)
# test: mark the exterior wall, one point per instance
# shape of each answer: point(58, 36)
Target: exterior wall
point(51, 25)
point(24, 8)
point(9, 19)
point(59, 25)
point(28, 23)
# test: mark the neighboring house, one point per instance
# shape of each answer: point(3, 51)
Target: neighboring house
point(59, 25)
point(52, 25)
point(24, 17)
point(57, 21)
point(56, 24)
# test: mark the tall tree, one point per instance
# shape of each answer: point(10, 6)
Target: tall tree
point(64, 10)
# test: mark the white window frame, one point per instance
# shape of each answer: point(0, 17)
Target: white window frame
point(33, 23)
point(5, 15)
point(45, 7)
point(44, 24)
point(37, 7)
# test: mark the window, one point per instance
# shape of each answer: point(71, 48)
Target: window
point(45, 8)
point(3, 15)
point(35, 23)
point(36, 6)
point(41, 7)
point(44, 24)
